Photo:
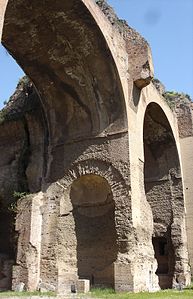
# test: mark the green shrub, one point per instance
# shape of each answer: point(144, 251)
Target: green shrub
point(18, 195)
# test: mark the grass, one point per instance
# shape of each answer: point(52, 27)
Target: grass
point(25, 294)
point(166, 294)
point(110, 294)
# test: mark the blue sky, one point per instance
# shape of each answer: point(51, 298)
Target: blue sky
point(168, 27)
point(166, 24)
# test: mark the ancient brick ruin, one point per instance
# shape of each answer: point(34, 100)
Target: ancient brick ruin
point(96, 158)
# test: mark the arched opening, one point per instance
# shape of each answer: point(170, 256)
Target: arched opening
point(73, 70)
point(163, 187)
point(70, 64)
point(93, 211)
point(80, 91)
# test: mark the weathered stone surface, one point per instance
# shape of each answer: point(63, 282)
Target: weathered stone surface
point(159, 86)
point(138, 50)
point(164, 191)
point(98, 149)
point(83, 286)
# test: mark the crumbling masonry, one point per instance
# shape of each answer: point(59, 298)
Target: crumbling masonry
point(96, 158)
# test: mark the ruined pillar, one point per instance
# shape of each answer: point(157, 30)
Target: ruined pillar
point(186, 145)
point(28, 225)
point(183, 109)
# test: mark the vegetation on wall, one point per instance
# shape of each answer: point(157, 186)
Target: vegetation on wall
point(171, 97)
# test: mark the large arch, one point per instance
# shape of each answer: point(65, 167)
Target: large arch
point(66, 56)
point(82, 99)
point(141, 210)
point(84, 71)
point(164, 192)
point(68, 59)
point(61, 47)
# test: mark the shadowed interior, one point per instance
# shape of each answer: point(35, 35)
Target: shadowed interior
point(93, 211)
point(163, 189)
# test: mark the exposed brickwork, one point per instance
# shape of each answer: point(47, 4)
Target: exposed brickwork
point(97, 148)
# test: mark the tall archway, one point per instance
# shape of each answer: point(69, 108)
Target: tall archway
point(163, 187)
point(68, 59)
point(70, 64)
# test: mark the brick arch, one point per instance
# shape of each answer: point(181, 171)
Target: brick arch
point(110, 224)
point(119, 187)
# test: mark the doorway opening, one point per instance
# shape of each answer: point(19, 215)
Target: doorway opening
point(94, 215)
point(165, 260)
